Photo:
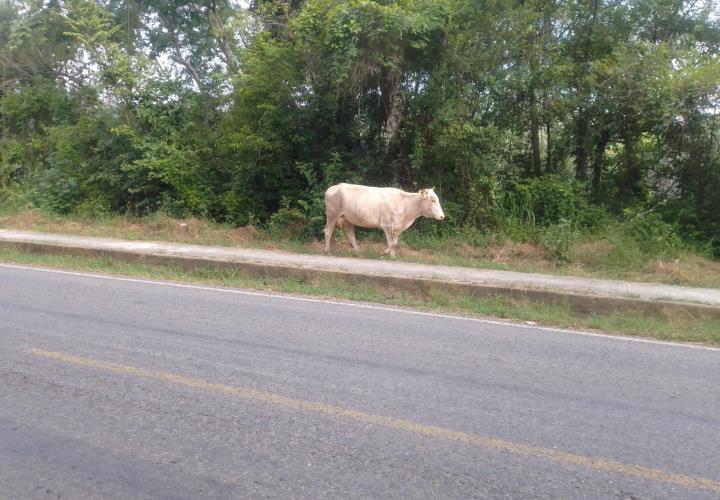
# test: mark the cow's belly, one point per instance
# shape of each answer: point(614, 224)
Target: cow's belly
point(362, 220)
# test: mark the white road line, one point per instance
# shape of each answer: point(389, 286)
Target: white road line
point(375, 307)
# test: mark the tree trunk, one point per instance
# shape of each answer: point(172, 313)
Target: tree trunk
point(582, 62)
point(581, 147)
point(631, 179)
point(535, 135)
point(548, 153)
point(220, 34)
point(547, 28)
point(394, 104)
point(601, 143)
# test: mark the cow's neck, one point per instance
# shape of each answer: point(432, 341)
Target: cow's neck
point(414, 210)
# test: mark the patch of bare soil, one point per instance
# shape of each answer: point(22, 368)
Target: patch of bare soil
point(24, 220)
point(520, 254)
point(245, 234)
point(316, 246)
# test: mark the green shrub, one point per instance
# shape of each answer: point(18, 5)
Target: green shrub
point(546, 201)
point(94, 207)
point(14, 199)
point(653, 235)
point(560, 238)
point(548, 210)
point(56, 192)
point(481, 199)
point(11, 159)
point(289, 224)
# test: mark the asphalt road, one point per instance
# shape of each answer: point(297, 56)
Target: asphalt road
point(125, 389)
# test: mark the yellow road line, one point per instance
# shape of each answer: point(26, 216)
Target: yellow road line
point(561, 457)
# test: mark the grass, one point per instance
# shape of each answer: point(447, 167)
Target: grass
point(704, 330)
point(608, 255)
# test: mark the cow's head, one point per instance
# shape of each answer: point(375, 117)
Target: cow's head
point(431, 204)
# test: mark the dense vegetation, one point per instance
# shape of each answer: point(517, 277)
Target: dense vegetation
point(538, 119)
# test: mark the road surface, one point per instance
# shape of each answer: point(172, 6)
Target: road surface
point(113, 388)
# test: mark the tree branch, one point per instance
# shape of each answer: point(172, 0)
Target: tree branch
point(218, 30)
point(178, 53)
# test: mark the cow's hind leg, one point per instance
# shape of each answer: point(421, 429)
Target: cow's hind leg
point(329, 229)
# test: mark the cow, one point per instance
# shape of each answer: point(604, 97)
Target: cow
point(390, 209)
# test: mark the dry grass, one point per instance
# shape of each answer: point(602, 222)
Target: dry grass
point(604, 257)
point(492, 253)
point(687, 270)
point(158, 227)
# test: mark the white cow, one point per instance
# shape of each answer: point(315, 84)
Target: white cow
point(389, 209)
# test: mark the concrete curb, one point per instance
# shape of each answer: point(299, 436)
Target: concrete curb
point(594, 296)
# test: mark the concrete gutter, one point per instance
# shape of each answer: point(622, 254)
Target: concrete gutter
point(592, 295)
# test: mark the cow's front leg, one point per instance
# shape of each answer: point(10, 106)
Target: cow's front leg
point(388, 239)
point(392, 239)
point(393, 245)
